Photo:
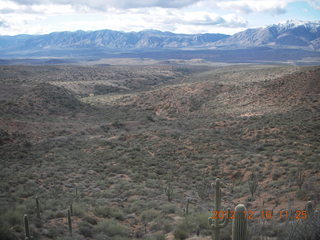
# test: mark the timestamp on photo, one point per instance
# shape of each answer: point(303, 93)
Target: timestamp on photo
point(263, 214)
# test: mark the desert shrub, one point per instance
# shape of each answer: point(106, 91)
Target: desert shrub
point(6, 234)
point(156, 237)
point(185, 228)
point(136, 206)
point(240, 191)
point(52, 204)
point(111, 228)
point(117, 124)
point(51, 232)
point(104, 89)
point(200, 220)
point(65, 238)
point(101, 236)
point(78, 210)
point(276, 174)
point(90, 220)
point(149, 215)
point(181, 232)
point(301, 194)
point(14, 216)
point(104, 211)
point(120, 238)
point(169, 208)
point(151, 183)
point(85, 229)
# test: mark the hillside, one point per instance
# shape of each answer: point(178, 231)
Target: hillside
point(42, 99)
point(180, 124)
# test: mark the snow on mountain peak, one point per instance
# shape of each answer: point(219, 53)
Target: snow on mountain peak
point(289, 24)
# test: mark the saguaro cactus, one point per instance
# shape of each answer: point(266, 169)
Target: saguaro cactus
point(69, 222)
point(309, 209)
point(253, 184)
point(169, 191)
point(240, 223)
point(38, 208)
point(71, 209)
point(187, 207)
point(218, 223)
point(26, 227)
point(300, 178)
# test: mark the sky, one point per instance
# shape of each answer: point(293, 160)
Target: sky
point(178, 16)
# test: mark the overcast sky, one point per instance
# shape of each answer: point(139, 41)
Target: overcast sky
point(179, 16)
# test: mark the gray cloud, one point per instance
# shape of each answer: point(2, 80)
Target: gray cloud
point(246, 7)
point(247, 10)
point(122, 4)
point(218, 21)
point(208, 21)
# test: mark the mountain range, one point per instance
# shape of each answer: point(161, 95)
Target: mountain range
point(292, 34)
point(289, 34)
point(108, 39)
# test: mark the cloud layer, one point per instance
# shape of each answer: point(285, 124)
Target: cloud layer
point(249, 6)
point(189, 16)
point(246, 6)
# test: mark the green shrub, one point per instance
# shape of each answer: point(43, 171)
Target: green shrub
point(6, 234)
point(200, 220)
point(78, 210)
point(301, 194)
point(85, 229)
point(169, 208)
point(182, 231)
point(90, 220)
point(156, 237)
point(111, 228)
point(14, 216)
point(103, 211)
point(149, 215)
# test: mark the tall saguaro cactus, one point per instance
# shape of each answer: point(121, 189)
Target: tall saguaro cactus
point(71, 209)
point(253, 184)
point(169, 191)
point(26, 227)
point(69, 222)
point(239, 223)
point(187, 207)
point(38, 208)
point(218, 223)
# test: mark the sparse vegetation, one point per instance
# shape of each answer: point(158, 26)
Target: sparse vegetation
point(128, 160)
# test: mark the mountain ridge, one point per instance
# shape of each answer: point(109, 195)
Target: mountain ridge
point(297, 35)
point(288, 34)
point(108, 39)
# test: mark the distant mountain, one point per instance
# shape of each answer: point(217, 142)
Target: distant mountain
point(289, 34)
point(288, 41)
point(107, 39)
